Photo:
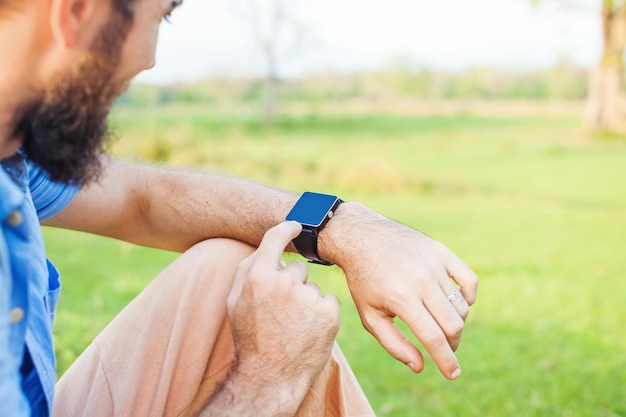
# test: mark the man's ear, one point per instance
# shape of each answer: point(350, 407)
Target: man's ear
point(70, 18)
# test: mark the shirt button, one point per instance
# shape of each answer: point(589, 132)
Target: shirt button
point(17, 314)
point(15, 218)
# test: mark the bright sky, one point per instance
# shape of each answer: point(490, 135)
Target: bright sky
point(208, 37)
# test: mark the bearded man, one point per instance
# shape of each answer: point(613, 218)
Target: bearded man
point(228, 328)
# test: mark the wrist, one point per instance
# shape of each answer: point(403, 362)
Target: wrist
point(336, 240)
point(270, 394)
point(313, 211)
point(255, 395)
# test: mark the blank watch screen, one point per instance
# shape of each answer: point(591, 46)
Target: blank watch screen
point(312, 208)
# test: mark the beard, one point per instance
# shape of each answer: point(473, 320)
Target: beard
point(65, 130)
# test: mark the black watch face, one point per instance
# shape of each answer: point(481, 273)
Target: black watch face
point(312, 208)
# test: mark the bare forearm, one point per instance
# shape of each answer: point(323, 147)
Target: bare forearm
point(175, 209)
point(189, 207)
point(242, 397)
point(172, 209)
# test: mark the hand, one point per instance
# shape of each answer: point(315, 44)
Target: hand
point(283, 329)
point(395, 271)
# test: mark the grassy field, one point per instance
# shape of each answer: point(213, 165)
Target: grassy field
point(537, 210)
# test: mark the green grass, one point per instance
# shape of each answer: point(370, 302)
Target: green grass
point(539, 213)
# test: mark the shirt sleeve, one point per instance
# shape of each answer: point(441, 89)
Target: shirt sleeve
point(49, 197)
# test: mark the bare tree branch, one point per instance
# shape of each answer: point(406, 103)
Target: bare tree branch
point(279, 35)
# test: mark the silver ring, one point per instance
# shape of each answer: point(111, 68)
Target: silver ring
point(455, 295)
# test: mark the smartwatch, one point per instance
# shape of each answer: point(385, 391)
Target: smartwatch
point(312, 211)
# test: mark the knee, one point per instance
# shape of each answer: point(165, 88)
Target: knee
point(218, 253)
point(221, 249)
point(211, 263)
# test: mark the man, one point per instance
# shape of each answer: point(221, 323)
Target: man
point(227, 329)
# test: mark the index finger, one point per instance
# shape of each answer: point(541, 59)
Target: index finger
point(274, 242)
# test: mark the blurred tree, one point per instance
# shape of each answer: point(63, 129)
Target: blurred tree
point(606, 104)
point(606, 108)
point(279, 34)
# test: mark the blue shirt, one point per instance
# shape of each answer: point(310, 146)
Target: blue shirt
point(29, 288)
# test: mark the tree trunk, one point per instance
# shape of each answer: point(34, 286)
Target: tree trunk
point(606, 110)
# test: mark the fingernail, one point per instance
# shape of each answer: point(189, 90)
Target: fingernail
point(411, 365)
point(456, 373)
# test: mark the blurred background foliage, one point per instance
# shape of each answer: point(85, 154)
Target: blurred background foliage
point(399, 81)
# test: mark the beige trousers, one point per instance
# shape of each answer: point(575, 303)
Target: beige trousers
point(171, 347)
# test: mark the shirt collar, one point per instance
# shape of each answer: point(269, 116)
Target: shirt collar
point(13, 182)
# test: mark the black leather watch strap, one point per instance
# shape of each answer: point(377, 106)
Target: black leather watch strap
point(306, 243)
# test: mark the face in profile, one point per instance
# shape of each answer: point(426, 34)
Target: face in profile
point(65, 130)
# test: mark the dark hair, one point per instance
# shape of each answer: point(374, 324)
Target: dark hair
point(66, 133)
